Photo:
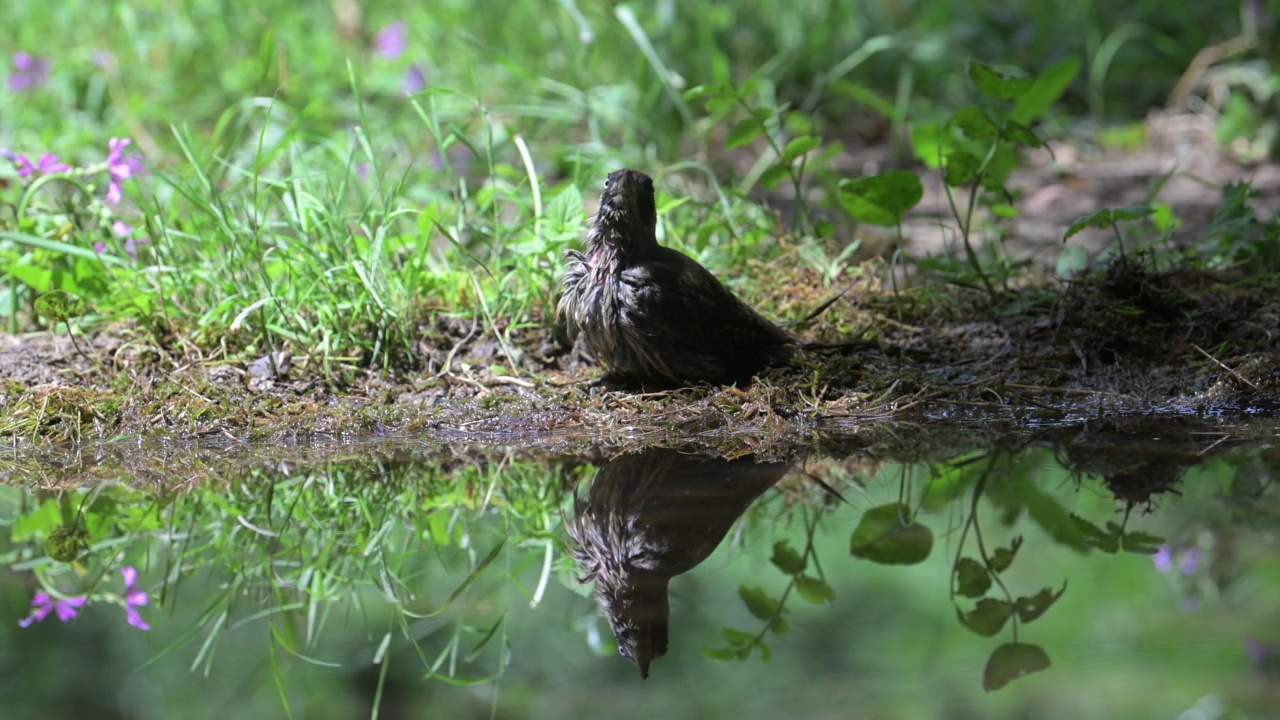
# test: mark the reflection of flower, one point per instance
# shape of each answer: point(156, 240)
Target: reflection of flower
point(29, 73)
point(134, 598)
point(1163, 559)
point(43, 603)
point(392, 40)
point(1188, 560)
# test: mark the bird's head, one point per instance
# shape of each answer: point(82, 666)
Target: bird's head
point(627, 217)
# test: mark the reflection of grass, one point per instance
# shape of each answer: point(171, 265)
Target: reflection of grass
point(428, 569)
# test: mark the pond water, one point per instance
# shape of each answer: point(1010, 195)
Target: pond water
point(1116, 568)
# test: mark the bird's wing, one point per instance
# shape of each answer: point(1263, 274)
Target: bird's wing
point(678, 303)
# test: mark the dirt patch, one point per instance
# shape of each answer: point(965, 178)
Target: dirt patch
point(1124, 341)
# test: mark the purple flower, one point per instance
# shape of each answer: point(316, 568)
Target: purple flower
point(392, 40)
point(48, 165)
point(131, 247)
point(134, 598)
point(1163, 559)
point(43, 603)
point(29, 73)
point(100, 247)
point(415, 79)
point(120, 167)
point(120, 229)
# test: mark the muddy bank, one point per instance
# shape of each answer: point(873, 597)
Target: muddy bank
point(1124, 341)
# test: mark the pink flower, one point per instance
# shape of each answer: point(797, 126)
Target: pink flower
point(134, 598)
point(48, 165)
point(43, 603)
point(29, 73)
point(120, 167)
point(415, 79)
point(120, 229)
point(392, 40)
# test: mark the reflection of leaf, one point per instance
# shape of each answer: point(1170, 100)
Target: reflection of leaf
point(759, 603)
point(787, 559)
point(814, 590)
point(737, 637)
point(722, 654)
point(972, 579)
point(888, 535)
point(987, 617)
point(1010, 662)
point(1014, 495)
point(1030, 608)
point(1095, 536)
point(42, 521)
point(1002, 558)
point(949, 479)
point(1142, 543)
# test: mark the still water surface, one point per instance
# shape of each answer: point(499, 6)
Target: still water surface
point(1126, 568)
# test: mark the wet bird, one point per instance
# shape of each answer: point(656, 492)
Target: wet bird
point(649, 313)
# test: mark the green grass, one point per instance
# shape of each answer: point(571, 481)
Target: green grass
point(294, 196)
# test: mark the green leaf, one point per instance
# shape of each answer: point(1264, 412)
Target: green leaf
point(1012, 661)
point(1105, 218)
point(800, 146)
point(1002, 558)
point(743, 133)
point(786, 559)
point(1030, 608)
point(1019, 134)
point(987, 617)
point(972, 579)
point(1005, 83)
point(881, 199)
point(1133, 212)
point(58, 306)
point(962, 165)
point(759, 603)
point(975, 123)
point(701, 92)
point(887, 534)
point(931, 142)
point(1046, 90)
point(36, 278)
point(774, 176)
point(813, 590)
point(566, 215)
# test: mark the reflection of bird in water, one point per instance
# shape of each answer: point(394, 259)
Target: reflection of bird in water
point(650, 313)
point(649, 517)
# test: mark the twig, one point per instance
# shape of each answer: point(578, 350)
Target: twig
point(1234, 374)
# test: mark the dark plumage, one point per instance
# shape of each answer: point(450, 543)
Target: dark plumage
point(651, 516)
point(650, 313)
